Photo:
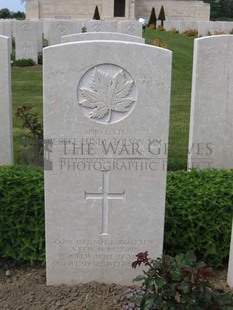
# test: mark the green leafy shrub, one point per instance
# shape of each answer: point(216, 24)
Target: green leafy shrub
point(218, 33)
point(161, 28)
point(24, 62)
point(32, 149)
point(45, 43)
point(178, 282)
point(173, 31)
point(160, 43)
point(191, 32)
point(199, 210)
point(40, 59)
point(84, 29)
point(22, 214)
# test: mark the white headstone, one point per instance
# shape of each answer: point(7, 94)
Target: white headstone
point(217, 27)
point(13, 27)
point(78, 25)
point(90, 36)
point(191, 25)
point(211, 123)
point(58, 29)
point(230, 266)
point(106, 110)
point(227, 27)
point(6, 138)
point(203, 28)
point(168, 25)
point(99, 26)
point(6, 30)
point(171, 24)
point(46, 28)
point(40, 36)
point(26, 40)
point(131, 27)
point(182, 27)
point(112, 25)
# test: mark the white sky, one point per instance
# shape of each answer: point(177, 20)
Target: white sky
point(12, 5)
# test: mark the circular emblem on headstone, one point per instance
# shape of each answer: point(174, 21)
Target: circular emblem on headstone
point(106, 93)
point(26, 28)
point(131, 29)
point(61, 28)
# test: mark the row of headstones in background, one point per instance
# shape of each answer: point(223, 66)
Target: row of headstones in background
point(6, 138)
point(130, 27)
point(57, 29)
point(29, 34)
point(211, 119)
point(93, 36)
point(100, 114)
point(203, 28)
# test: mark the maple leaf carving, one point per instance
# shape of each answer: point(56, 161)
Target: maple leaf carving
point(107, 94)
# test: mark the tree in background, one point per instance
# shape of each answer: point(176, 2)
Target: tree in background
point(96, 14)
point(18, 15)
point(152, 20)
point(226, 8)
point(220, 9)
point(162, 15)
point(5, 13)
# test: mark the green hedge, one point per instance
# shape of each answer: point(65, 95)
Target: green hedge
point(22, 214)
point(199, 210)
point(199, 213)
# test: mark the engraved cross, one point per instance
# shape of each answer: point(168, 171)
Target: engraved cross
point(105, 196)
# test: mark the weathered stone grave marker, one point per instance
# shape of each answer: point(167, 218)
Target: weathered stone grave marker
point(211, 122)
point(57, 29)
point(107, 115)
point(26, 40)
point(6, 138)
point(6, 30)
point(131, 27)
point(101, 26)
point(90, 36)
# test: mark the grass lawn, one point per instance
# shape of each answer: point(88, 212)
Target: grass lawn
point(27, 90)
point(182, 48)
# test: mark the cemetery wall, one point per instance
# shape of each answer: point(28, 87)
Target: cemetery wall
point(62, 9)
point(184, 10)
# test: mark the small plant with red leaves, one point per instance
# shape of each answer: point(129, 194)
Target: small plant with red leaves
point(178, 282)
